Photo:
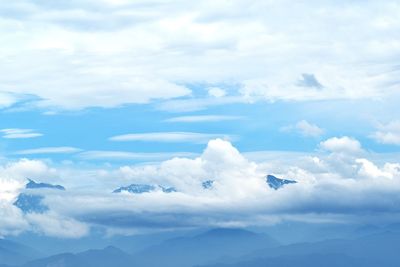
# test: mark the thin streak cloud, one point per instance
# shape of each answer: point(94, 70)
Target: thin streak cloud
point(49, 150)
point(170, 137)
point(203, 118)
point(16, 133)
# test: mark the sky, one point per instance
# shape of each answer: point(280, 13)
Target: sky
point(95, 95)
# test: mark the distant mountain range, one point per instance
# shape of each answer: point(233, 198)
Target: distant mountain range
point(223, 248)
point(108, 257)
point(203, 248)
point(143, 188)
point(184, 251)
point(369, 251)
point(32, 201)
point(272, 181)
point(13, 253)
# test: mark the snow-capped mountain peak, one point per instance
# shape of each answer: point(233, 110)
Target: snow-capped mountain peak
point(277, 183)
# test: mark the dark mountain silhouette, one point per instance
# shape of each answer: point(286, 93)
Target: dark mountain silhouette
point(373, 250)
point(225, 248)
point(33, 185)
point(108, 257)
point(203, 248)
point(13, 253)
point(310, 260)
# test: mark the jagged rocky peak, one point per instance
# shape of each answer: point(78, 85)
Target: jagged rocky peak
point(34, 185)
point(144, 188)
point(167, 189)
point(207, 184)
point(32, 202)
point(277, 183)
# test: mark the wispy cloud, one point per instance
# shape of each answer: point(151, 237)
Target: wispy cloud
point(196, 104)
point(388, 133)
point(203, 118)
point(170, 137)
point(304, 128)
point(124, 155)
point(16, 133)
point(216, 92)
point(240, 34)
point(49, 150)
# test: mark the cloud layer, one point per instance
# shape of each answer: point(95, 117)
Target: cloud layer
point(122, 52)
point(341, 185)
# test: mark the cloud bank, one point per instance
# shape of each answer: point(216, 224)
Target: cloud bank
point(338, 184)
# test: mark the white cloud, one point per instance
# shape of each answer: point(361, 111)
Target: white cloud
point(304, 128)
point(342, 145)
point(15, 133)
point(172, 137)
point(240, 190)
point(388, 133)
point(334, 182)
point(203, 42)
point(203, 118)
point(13, 177)
point(7, 100)
point(24, 168)
point(308, 129)
point(195, 104)
point(216, 92)
point(124, 155)
point(51, 224)
point(11, 220)
point(48, 150)
point(370, 170)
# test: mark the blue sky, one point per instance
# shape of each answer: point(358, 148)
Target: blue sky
point(99, 94)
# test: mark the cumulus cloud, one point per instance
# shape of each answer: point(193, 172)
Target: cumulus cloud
point(388, 133)
point(13, 178)
point(335, 183)
point(239, 190)
point(370, 170)
point(24, 168)
point(343, 144)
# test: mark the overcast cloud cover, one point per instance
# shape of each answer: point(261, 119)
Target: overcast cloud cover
point(95, 95)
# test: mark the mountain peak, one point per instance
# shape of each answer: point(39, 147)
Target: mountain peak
point(277, 183)
point(207, 184)
point(34, 185)
point(33, 203)
point(222, 232)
